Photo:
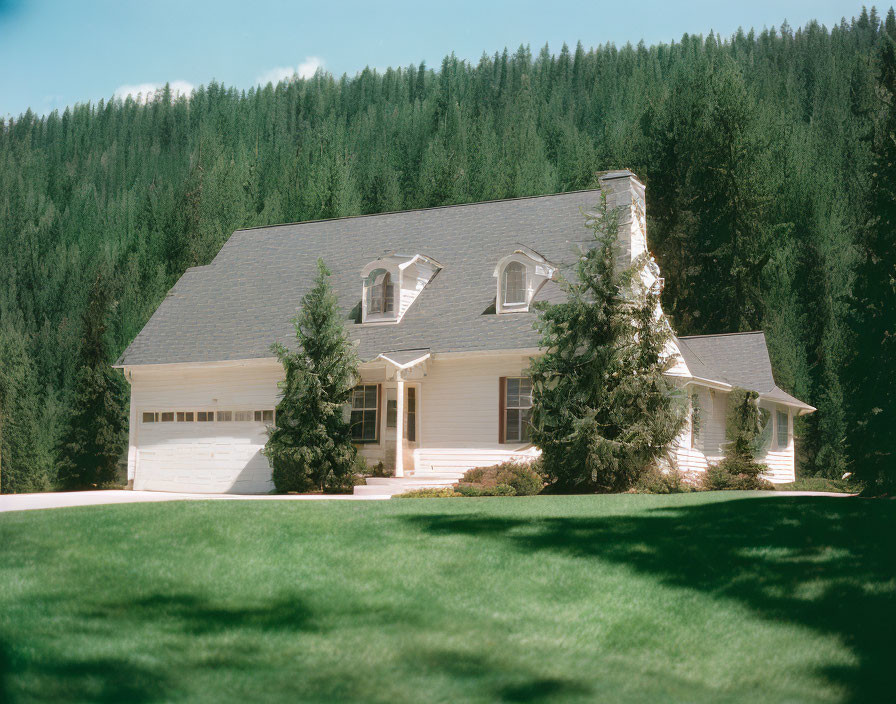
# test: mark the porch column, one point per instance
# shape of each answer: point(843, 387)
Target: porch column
point(399, 425)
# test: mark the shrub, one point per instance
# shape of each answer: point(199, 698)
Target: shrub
point(361, 467)
point(842, 486)
point(379, 470)
point(659, 481)
point(522, 477)
point(729, 475)
point(445, 492)
point(479, 490)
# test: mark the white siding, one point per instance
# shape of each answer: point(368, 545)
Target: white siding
point(781, 459)
point(458, 422)
point(461, 402)
point(715, 410)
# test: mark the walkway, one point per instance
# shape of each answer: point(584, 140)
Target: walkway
point(64, 499)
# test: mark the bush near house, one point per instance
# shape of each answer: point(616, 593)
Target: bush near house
point(439, 492)
point(739, 469)
point(522, 478)
point(840, 486)
point(659, 481)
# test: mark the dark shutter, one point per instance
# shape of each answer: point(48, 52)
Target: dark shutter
point(502, 398)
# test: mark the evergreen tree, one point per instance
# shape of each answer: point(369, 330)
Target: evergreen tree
point(756, 149)
point(310, 445)
point(873, 315)
point(24, 467)
point(602, 410)
point(748, 428)
point(96, 435)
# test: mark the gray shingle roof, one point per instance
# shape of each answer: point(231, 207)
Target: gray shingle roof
point(738, 359)
point(237, 306)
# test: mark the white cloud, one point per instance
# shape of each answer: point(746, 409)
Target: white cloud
point(306, 69)
point(146, 91)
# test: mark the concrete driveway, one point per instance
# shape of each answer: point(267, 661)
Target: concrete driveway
point(65, 499)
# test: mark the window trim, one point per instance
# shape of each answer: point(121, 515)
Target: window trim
point(365, 409)
point(536, 272)
point(787, 434)
point(391, 297)
point(505, 409)
point(524, 272)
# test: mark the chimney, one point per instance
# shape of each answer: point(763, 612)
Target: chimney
point(625, 192)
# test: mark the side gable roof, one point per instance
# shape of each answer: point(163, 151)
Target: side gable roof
point(738, 359)
point(241, 303)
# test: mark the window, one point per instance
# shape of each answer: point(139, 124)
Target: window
point(205, 416)
point(391, 408)
point(150, 417)
point(185, 416)
point(243, 416)
point(514, 284)
point(696, 420)
point(225, 416)
point(264, 416)
point(167, 417)
point(364, 413)
point(379, 291)
point(517, 408)
point(782, 429)
point(412, 414)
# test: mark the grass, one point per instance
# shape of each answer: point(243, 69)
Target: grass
point(708, 597)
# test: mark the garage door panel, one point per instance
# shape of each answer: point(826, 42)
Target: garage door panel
point(202, 458)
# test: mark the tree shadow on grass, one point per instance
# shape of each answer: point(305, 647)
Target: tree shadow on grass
point(824, 563)
point(133, 677)
point(503, 682)
point(195, 614)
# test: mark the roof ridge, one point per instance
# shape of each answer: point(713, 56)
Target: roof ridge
point(417, 210)
point(721, 334)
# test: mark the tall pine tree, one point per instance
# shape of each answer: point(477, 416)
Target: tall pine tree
point(95, 438)
point(873, 315)
point(310, 445)
point(602, 411)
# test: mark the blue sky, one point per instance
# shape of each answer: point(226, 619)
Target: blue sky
point(57, 52)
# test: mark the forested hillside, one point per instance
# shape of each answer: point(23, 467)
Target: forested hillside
point(758, 152)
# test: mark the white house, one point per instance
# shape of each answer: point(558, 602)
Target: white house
point(439, 304)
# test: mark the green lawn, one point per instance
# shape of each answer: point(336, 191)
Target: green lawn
point(711, 597)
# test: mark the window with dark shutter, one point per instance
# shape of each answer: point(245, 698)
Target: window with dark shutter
point(517, 408)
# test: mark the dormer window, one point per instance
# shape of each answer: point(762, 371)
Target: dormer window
point(520, 276)
point(392, 283)
point(379, 291)
point(515, 284)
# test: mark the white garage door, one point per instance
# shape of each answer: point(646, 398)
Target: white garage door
point(176, 451)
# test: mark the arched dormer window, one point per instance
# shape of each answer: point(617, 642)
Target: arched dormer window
point(520, 276)
point(514, 285)
point(392, 283)
point(380, 293)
